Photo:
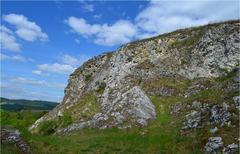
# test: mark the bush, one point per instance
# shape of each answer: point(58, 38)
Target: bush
point(88, 77)
point(101, 86)
point(65, 120)
point(48, 127)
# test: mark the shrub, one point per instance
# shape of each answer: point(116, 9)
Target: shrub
point(101, 86)
point(87, 77)
point(48, 127)
point(65, 120)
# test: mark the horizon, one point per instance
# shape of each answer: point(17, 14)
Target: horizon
point(40, 49)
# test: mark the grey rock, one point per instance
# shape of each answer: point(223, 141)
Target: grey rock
point(214, 130)
point(220, 115)
point(231, 149)
point(13, 136)
point(193, 120)
point(196, 105)
point(237, 102)
point(177, 107)
point(213, 145)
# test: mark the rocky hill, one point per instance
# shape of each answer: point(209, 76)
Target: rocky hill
point(190, 74)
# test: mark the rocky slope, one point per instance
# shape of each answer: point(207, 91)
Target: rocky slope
point(197, 65)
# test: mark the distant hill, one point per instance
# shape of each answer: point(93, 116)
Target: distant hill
point(22, 104)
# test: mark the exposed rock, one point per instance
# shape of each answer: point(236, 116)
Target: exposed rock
point(196, 105)
point(13, 136)
point(214, 130)
point(220, 115)
point(177, 107)
point(133, 105)
point(237, 102)
point(162, 91)
point(116, 79)
point(231, 149)
point(193, 120)
point(213, 145)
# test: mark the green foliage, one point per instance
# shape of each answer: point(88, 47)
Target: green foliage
point(88, 77)
point(48, 127)
point(188, 42)
point(229, 75)
point(65, 120)
point(101, 86)
point(85, 108)
point(179, 85)
point(7, 148)
point(210, 96)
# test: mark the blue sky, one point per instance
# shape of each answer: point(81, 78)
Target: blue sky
point(42, 42)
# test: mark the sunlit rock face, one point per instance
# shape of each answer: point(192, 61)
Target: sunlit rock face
point(111, 90)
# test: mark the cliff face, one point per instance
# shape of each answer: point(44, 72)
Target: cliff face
point(116, 89)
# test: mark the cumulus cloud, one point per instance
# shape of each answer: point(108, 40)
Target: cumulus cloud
point(56, 68)
point(86, 6)
point(68, 64)
point(120, 32)
point(7, 40)
point(67, 59)
point(97, 16)
point(38, 72)
point(13, 58)
point(165, 16)
point(158, 17)
point(29, 81)
point(25, 29)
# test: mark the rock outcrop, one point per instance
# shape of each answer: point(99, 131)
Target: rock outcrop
point(12, 136)
point(114, 89)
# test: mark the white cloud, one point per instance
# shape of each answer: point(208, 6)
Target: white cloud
point(86, 6)
point(21, 88)
point(38, 72)
point(56, 68)
point(7, 90)
point(13, 58)
point(120, 32)
point(165, 16)
point(30, 81)
point(158, 17)
point(25, 29)
point(70, 60)
point(7, 40)
point(34, 82)
point(97, 16)
point(80, 26)
point(68, 64)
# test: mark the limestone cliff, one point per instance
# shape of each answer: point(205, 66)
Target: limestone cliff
point(114, 89)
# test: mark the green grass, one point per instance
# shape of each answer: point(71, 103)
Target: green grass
point(9, 149)
point(162, 135)
point(85, 108)
point(179, 85)
point(188, 42)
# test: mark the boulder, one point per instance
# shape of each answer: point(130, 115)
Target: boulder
point(213, 145)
